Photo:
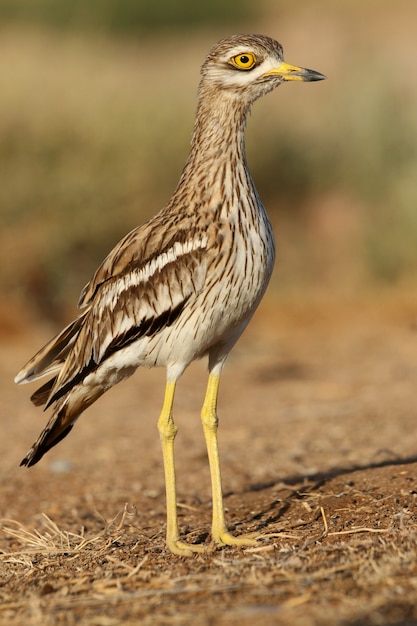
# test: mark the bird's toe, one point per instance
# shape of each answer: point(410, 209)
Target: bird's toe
point(227, 539)
point(181, 548)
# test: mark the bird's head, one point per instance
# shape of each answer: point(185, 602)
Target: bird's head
point(250, 66)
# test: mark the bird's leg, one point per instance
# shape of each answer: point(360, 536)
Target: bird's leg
point(167, 431)
point(210, 420)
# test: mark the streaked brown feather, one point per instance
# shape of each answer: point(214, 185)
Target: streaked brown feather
point(41, 395)
point(136, 310)
point(50, 358)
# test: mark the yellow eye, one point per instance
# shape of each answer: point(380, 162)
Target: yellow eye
point(244, 61)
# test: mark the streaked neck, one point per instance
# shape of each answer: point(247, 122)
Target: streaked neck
point(217, 145)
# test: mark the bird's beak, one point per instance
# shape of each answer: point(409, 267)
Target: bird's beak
point(293, 72)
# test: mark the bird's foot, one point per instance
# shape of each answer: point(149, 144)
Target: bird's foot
point(224, 538)
point(181, 548)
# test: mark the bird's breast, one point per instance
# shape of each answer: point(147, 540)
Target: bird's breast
point(239, 268)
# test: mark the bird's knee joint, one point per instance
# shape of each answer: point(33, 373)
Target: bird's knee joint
point(209, 420)
point(167, 430)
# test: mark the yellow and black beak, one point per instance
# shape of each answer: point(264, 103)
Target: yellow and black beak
point(293, 72)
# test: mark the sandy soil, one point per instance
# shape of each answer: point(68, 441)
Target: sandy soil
point(319, 456)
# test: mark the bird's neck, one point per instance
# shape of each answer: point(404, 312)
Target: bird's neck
point(217, 148)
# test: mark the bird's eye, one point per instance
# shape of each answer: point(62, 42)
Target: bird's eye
point(244, 61)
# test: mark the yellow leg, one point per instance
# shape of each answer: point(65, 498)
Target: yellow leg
point(167, 431)
point(210, 420)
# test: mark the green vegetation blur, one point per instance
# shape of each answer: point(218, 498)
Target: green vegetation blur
point(96, 111)
point(124, 17)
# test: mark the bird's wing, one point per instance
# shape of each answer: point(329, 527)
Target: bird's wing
point(138, 302)
point(145, 250)
point(129, 299)
point(135, 250)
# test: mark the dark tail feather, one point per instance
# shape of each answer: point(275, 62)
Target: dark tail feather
point(61, 422)
point(41, 447)
point(66, 412)
point(41, 395)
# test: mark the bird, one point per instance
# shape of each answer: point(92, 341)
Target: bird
point(181, 286)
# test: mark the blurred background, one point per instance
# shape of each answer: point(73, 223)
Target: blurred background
point(97, 105)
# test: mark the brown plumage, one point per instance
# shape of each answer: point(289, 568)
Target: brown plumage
point(185, 284)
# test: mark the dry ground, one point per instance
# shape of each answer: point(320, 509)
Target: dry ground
point(318, 417)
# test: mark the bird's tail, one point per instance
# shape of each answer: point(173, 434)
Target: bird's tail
point(50, 358)
point(53, 433)
point(66, 412)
